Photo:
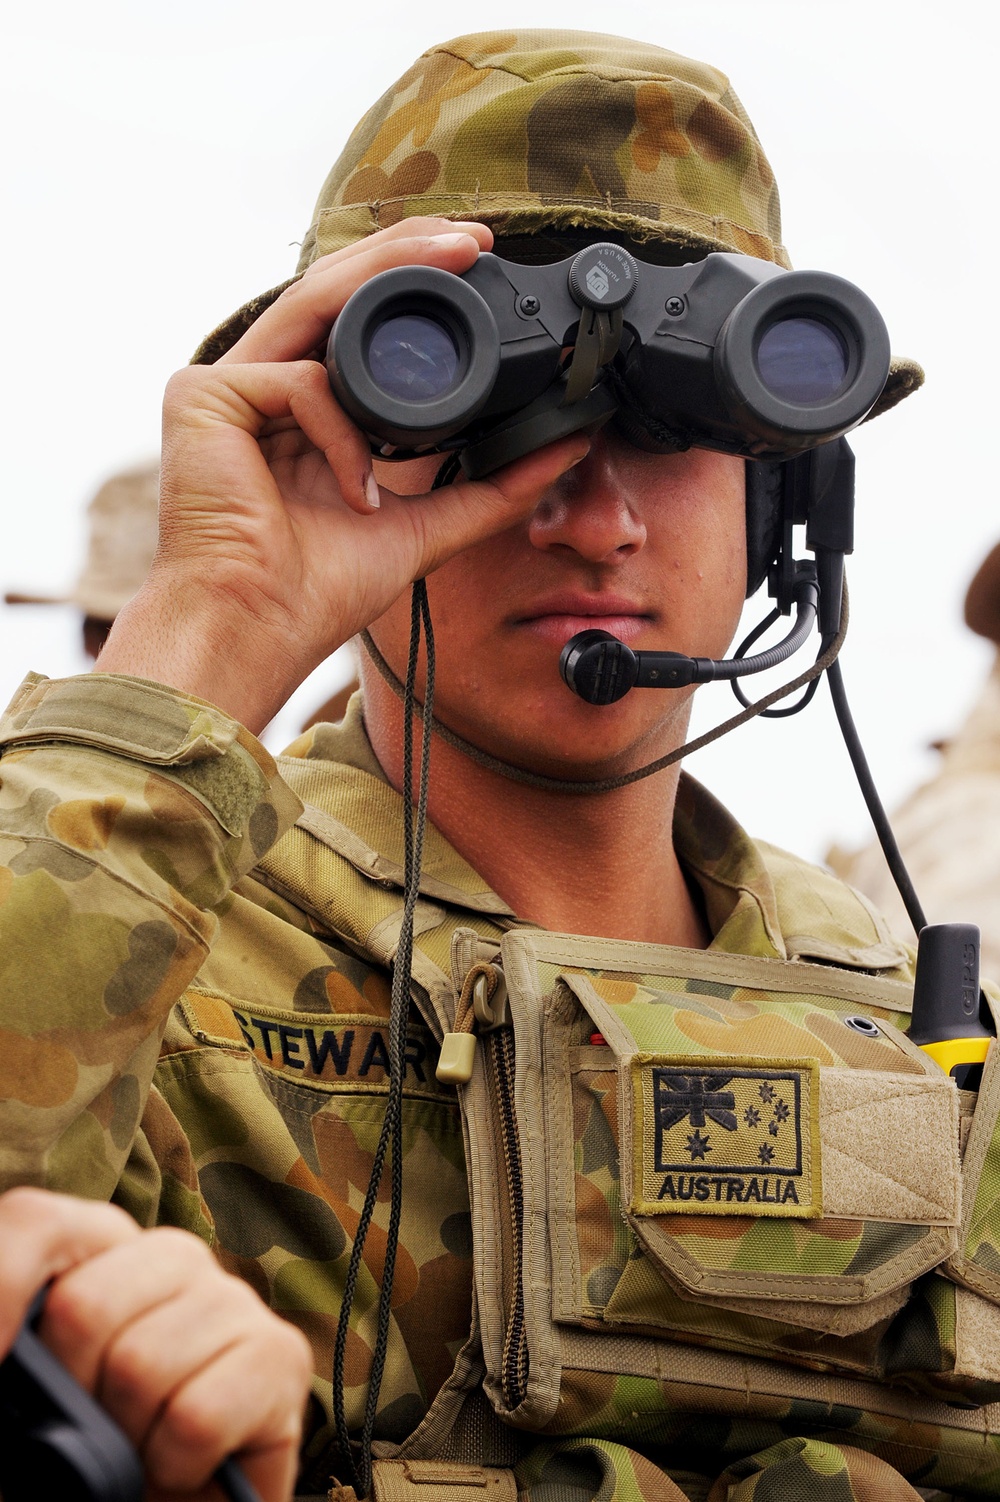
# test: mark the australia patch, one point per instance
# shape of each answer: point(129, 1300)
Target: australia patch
point(718, 1136)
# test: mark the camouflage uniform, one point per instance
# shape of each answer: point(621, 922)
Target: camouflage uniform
point(194, 1027)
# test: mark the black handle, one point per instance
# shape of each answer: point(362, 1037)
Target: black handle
point(56, 1441)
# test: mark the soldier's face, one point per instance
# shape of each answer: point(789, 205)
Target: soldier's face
point(649, 547)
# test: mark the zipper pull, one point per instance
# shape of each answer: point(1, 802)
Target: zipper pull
point(458, 1055)
point(483, 1000)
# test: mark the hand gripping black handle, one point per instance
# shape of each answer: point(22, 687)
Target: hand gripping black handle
point(56, 1441)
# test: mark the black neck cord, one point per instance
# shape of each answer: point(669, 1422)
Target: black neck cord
point(359, 1475)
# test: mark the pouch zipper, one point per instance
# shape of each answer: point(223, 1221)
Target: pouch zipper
point(499, 1045)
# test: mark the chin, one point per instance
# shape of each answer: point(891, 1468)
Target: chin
point(552, 731)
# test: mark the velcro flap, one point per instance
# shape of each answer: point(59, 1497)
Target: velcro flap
point(977, 1336)
point(890, 1147)
point(129, 715)
point(772, 1176)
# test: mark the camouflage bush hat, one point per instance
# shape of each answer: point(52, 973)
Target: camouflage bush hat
point(566, 132)
point(121, 539)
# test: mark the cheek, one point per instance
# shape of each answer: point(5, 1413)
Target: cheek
point(724, 575)
point(701, 548)
point(724, 478)
point(466, 597)
point(702, 524)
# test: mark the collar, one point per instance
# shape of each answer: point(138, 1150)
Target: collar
point(334, 769)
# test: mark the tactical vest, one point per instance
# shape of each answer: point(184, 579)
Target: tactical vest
point(701, 1182)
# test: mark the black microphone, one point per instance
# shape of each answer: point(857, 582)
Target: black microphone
point(601, 669)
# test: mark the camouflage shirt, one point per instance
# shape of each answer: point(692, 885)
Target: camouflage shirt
point(192, 1025)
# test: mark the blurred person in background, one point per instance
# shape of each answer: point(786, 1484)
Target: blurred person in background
point(947, 829)
point(121, 541)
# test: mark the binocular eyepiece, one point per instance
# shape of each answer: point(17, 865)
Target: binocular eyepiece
point(728, 353)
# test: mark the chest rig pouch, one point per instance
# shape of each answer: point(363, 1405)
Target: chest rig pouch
point(679, 1157)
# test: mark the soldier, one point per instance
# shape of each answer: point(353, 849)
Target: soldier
point(611, 1275)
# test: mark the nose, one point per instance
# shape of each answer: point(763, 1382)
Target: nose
point(590, 511)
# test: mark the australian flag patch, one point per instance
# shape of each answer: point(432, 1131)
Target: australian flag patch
point(735, 1136)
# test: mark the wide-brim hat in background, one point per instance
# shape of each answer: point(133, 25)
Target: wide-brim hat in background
point(121, 541)
point(561, 131)
point(982, 598)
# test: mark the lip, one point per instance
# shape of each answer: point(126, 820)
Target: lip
point(557, 618)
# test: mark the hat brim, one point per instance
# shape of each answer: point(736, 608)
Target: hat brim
point(14, 597)
point(99, 605)
point(221, 340)
point(905, 375)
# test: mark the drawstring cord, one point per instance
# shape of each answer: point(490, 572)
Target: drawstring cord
point(359, 1475)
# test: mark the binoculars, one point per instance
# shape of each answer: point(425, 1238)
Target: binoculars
point(727, 353)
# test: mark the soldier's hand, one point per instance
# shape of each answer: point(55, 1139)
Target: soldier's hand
point(277, 544)
point(185, 1359)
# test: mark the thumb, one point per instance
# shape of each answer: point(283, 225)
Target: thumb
point(456, 516)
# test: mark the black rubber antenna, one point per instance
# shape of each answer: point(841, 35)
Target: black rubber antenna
point(876, 808)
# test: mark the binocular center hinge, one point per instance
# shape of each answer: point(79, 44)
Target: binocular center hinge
point(597, 340)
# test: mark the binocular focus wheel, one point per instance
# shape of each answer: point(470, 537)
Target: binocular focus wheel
point(604, 277)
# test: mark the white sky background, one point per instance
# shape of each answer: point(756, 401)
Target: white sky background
point(162, 158)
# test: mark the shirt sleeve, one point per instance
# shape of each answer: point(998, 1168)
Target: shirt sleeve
point(127, 812)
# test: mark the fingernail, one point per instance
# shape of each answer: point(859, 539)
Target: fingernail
point(449, 239)
point(372, 494)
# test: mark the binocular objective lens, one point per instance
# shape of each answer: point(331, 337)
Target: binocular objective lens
point(413, 358)
point(802, 360)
